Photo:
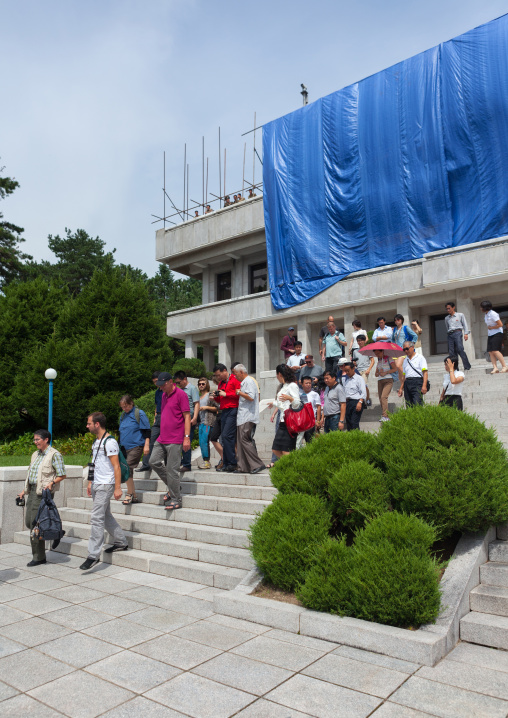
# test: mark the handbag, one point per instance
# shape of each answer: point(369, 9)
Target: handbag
point(418, 372)
point(301, 419)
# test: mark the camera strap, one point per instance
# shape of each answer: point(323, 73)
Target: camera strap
point(97, 452)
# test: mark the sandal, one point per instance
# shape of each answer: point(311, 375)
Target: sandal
point(173, 505)
point(130, 499)
point(270, 466)
point(166, 497)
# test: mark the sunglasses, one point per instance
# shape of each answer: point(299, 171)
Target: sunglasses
point(201, 383)
point(406, 349)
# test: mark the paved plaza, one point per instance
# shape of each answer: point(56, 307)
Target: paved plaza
point(123, 644)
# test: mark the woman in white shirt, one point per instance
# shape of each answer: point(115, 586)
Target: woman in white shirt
point(453, 383)
point(288, 395)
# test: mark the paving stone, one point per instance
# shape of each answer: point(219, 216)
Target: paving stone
point(114, 605)
point(266, 709)
point(33, 631)
point(16, 548)
point(8, 647)
point(11, 615)
point(160, 619)
point(14, 574)
point(6, 692)
point(81, 695)
point(122, 633)
point(12, 591)
point(176, 585)
point(472, 678)
point(243, 673)
point(480, 656)
point(392, 710)
point(79, 593)
point(43, 583)
point(395, 664)
point(77, 617)
point(447, 701)
point(141, 706)
point(278, 653)
point(78, 650)
point(200, 697)
point(38, 603)
point(109, 585)
point(140, 577)
point(364, 677)
point(212, 634)
point(207, 593)
point(172, 601)
point(323, 700)
point(22, 706)
point(240, 623)
point(135, 672)
point(177, 651)
point(29, 668)
point(317, 643)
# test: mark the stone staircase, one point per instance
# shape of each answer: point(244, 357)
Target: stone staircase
point(205, 541)
point(487, 623)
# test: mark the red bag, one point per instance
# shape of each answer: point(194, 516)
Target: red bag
point(300, 419)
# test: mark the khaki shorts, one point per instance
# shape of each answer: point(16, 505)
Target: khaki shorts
point(365, 376)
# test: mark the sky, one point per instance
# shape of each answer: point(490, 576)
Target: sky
point(92, 93)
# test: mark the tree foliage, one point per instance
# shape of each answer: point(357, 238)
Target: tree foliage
point(11, 257)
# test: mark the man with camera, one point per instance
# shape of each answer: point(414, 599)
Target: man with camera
point(228, 400)
point(104, 482)
point(46, 470)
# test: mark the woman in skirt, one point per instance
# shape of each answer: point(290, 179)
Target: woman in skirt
point(288, 395)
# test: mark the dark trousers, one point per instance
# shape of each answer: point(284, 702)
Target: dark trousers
point(309, 435)
point(154, 435)
point(413, 391)
point(331, 423)
point(228, 433)
point(32, 506)
point(248, 458)
point(186, 455)
point(352, 416)
point(456, 346)
point(331, 364)
point(453, 400)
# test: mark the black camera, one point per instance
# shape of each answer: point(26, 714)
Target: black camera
point(20, 501)
point(91, 471)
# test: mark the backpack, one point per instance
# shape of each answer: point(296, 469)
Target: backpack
point(136, 415)
point(124, 466)
point(47, 525)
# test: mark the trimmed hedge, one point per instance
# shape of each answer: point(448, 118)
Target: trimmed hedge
point(358, 491)
point(192, 367)
point(285, 535)
point(326, 586)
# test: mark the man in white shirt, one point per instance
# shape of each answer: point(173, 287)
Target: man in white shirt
point(414, 376)
point(296, 360)
point(104, 482)
point(247, 419)
point(495, 338)
point(456, 326)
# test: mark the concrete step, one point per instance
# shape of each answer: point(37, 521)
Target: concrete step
point(181, 548)
point(224, 519)
point(152, 483)
point(489, 599)
point(210, 503)
point(207, 574)
point(494, 573)
point(498, 551)
point(230, 491)
point(170, 529)
point(485, 629)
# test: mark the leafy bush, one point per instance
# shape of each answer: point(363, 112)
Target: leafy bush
point(447, 467)
point(147, 404)
point(399, 530)
point(284, 537)
point(24, 445)
point(358, 491)
point(326, 586)
point(308, 470)
point(192, 367)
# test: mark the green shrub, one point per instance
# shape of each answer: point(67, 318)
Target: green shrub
point(401, 531)
point(447, 467)
point(284, 537)
point(358, 491)
point(147, 404)
point(24, 445)
point(192, 367)
point(326, 586)
point(308, 470)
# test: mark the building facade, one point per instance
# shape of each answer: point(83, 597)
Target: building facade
point(226, 250)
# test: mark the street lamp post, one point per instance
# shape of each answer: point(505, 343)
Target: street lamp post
point(50, 375)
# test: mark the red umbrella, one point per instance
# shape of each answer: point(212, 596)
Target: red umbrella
point(389, 348)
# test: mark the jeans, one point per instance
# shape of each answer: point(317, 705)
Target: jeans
point(187, 455)
point(102, 518)
point(331, 364)
point(331, 423)
point(352, 415)
point(456, 346)
point(413, 391)
point(228, 423)
point(154, 435)
point(204, 441)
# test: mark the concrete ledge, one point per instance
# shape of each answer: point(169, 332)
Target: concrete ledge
point(427, 645)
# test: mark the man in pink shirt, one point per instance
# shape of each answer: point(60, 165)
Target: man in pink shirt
point(174, 436)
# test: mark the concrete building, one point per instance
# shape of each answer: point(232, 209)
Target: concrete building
point(226, 250)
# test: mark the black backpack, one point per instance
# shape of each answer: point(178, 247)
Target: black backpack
point(47, 525)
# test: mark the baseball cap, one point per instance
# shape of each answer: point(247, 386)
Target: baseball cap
point(343, 361)
point(291, 329)
point(309, 356)
point(164, 376)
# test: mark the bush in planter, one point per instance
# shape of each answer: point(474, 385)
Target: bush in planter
point(326, 586)
point(400, 530)
point(358, 491)
point(192, 367)
point(447, 467)
point(308, 470)
point(284, 537)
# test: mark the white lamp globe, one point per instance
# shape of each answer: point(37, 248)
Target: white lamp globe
point(50, 373)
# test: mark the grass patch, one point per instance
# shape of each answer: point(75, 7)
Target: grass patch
point(24, 460)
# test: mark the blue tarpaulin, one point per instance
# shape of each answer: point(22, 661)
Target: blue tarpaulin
point(410, 160)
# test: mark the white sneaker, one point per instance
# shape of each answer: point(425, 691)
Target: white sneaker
point(205, 465)
point(384, 418)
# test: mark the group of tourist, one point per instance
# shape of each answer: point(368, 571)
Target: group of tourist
point(228, 201)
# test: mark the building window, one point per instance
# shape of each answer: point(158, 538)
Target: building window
point(252, 357)
point(258, 278)
point(223, 286)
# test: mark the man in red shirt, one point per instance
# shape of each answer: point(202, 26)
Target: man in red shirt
point(174, 436)
point(288, 343)
point(227, 397)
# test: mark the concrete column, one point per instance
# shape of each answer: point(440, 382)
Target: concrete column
point(190, 348)
point(208, 356)
point(349, 316)
point(303, 332)
point(465, 305)
point(425, 335)
point(403, 308)
point(262, 348)
point(205, 279)
point(237, 278)
point(224, 348)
